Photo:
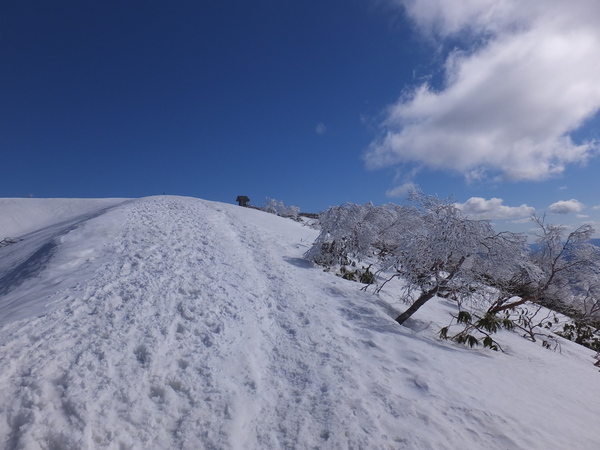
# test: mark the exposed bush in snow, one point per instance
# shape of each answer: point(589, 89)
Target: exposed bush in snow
point(581, 333)
point(362, 275)
point(8, 241)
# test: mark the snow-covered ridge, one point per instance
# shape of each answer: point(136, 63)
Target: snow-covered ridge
point(19, 216)
point(171, 322)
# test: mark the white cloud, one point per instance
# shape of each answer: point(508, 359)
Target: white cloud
point(401, 191)
point(596, 208)
point(527, 78)
point(566, 206)
point(321, 128)
point(480, 208)
point(520, 221)
point(582, 216)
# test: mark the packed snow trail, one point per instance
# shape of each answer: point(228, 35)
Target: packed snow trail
point(190, 336)
point(181, 323)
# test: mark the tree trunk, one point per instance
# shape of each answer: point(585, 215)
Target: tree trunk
point(416, 305)
point(426, 296)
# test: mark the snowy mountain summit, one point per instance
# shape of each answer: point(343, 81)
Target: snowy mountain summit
point(171, 322)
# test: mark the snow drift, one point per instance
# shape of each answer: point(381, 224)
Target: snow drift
point(171, 322)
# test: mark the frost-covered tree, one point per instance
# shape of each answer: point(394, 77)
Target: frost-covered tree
point(278, 208)
point(357, 232)
point(432, 246)
point(451, 255)
point(493, 277)
point(561, 272)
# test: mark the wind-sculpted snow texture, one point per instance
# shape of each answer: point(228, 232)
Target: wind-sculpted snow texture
point(172, 322)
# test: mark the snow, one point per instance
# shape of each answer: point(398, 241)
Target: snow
point(20, 216)
point(173, 322)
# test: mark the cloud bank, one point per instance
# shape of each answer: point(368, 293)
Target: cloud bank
point(566, 206)
point(481, 209)
point(526, 78)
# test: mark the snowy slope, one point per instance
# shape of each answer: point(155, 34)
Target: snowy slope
point(170, 322)
point(23, 264)
point(23, 215)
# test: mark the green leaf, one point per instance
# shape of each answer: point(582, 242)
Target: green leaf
point(508, 324)
point(489, 323)
point(472, 341)
point(488, 341)
point(444, 333)
point(464, 317)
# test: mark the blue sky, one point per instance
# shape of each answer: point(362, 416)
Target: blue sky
point(313, 103)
